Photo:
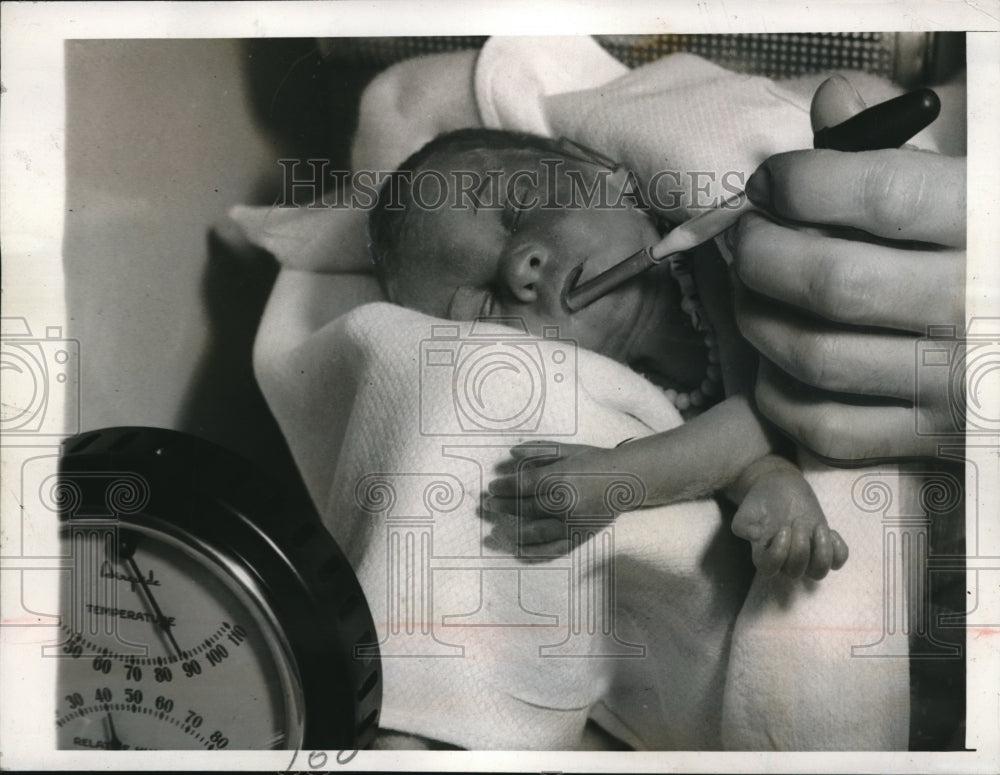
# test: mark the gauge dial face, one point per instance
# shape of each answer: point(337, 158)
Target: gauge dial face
point(167, 645)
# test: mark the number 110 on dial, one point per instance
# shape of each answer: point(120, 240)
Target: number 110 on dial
point(167, 646)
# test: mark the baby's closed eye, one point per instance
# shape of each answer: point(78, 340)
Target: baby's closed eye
point(521, 195)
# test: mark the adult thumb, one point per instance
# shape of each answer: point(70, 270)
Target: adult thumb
point(835, 101)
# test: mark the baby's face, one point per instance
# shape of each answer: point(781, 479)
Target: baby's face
point(518, 262)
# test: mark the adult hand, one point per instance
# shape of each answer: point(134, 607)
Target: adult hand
point(856, 300)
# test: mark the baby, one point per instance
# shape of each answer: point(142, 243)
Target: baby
point(486, 223)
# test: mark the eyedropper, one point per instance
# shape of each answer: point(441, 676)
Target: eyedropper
point(886, 125)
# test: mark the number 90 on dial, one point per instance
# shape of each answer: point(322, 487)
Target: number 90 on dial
point(204, 619)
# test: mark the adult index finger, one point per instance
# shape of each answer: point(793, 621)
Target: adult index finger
point(896, 194)
point(842, 434)
point(849, 280)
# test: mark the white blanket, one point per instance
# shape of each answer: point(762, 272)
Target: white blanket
point(471, 636)
point(463, 627)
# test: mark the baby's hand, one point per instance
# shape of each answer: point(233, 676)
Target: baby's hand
point(785, 526)
point(551, 482)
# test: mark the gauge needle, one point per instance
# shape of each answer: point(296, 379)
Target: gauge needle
point(114, 744)
point(161, 620)
point(126, 548)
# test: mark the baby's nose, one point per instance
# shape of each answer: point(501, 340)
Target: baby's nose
point(524, 270)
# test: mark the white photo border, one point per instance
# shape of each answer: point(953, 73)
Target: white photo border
point(32, 123)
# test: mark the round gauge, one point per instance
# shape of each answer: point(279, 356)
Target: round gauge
point(205, 608)
point(168, 630)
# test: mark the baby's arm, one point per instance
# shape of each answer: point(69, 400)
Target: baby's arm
point(724, 448)
point(528, 506)
point(694, 460)
point(704, 455)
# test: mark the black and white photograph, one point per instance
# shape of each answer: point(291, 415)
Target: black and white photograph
point(521, 387)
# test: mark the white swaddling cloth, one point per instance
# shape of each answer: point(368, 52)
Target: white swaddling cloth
point(471, 636)
point(481, 649)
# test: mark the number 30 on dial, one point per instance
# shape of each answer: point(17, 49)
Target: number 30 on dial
point(204, 608)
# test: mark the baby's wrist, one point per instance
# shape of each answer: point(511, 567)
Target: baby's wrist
point(775, 465)
point(767, 467)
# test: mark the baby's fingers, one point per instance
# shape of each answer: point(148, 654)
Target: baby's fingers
point(541, 551)
point(513, 485)
point(520, 536)
point(516, 471)
point(798, 550)
point(769, 559)
point(525, 507)
point(822, 553)
point(840, 550)
point(541, 531)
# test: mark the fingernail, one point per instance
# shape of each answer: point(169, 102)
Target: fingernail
point(842, 83)
point(835, 101)
point(759, 187)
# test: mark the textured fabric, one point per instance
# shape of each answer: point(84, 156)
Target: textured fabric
point(350, 398)
point(698, 129)
point(511, 87)
point(480, 649)
point(661, 118)
point(812, 666)
point(327, 239)
point(774, 55)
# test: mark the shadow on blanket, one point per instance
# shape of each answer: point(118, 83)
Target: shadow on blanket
point(937, 685)
point(338, 374)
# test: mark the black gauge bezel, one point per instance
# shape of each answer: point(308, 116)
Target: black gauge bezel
point(275, 536)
